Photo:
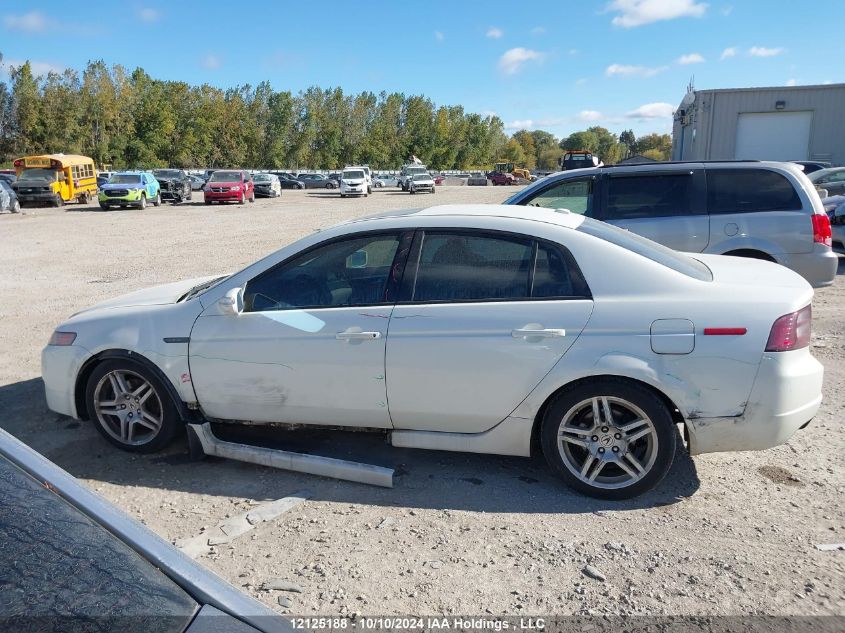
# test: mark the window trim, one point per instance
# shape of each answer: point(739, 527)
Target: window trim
point(412, 267)
point(399, 259)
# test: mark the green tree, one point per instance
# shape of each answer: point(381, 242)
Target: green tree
point(526, 141)
point(659, 146)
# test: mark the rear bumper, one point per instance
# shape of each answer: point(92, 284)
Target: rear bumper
point(818, 266)
point(786, 395)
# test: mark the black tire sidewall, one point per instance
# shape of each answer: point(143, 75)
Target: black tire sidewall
point(171, 422)
point(642, 397)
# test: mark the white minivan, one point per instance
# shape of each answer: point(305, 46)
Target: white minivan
point(353, 182)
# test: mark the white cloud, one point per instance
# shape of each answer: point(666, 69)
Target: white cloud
point(494, 33)
point(827, 82)
point(32, 22)
point(149, 15)
point(728, 52)
point(791, 82)
point(519, 124)
point(590, 115)
point(652, 111)
point(622, 70)
point(762, 51)
point(512, 61)
point(38, 68)
point(633, 13)
point(538, 30)
point(211, 61)
point(692, 58)
point(438, 35)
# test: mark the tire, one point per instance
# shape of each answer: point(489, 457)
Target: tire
point(157, 200)
point(143, 204)
point(652, 443)
point(104, 207)
point(252, 198)
point(412, 191)
point(83, 199)
point(343, 195)
point(242, 199)
point(118, 382)
point(16, 207)
point(208, 202)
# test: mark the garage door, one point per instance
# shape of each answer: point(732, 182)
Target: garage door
point(773, 135)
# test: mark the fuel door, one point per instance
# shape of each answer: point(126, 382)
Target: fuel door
point(672, 336)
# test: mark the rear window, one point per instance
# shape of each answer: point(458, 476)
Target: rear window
point(649, 196)
point(749, 191)
point(658, 253)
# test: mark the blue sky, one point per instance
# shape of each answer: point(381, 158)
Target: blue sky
point(559, 66)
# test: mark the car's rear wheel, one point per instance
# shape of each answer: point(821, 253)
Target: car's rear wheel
point(608, 438)
point(130, 406)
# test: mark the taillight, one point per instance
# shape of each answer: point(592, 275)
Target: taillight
point(791, 331)
point(821, 229)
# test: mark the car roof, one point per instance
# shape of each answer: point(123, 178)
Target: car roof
point(535, 214)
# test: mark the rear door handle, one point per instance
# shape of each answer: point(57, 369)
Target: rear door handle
point(357, 336)
point(538, 333)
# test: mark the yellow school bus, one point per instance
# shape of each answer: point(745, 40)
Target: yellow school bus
point(55, 179)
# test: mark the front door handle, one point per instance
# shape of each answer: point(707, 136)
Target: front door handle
point(538, 333)
point(357, 336)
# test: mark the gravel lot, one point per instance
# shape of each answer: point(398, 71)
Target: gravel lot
point(725, 534)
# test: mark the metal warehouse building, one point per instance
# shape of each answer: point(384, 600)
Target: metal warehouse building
point(782, 123)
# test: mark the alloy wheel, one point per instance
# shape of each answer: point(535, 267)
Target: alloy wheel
point(128, 407)
point(607, 442)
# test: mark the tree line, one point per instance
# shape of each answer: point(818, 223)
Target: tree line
point(129, 119)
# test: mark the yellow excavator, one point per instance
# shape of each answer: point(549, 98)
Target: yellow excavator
point(517, 172)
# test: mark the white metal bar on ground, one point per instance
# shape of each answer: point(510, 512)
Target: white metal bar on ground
point(287, 460)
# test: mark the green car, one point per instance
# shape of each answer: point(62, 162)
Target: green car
point(127, 189)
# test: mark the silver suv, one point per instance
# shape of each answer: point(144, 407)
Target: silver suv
point(756, 209)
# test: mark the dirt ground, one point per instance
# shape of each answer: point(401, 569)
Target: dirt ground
point(459, 534)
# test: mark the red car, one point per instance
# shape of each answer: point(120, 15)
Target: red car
point(499, 178)
point(229, 185)
point(438, 180)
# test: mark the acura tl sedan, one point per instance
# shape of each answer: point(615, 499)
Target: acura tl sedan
point(464, 328)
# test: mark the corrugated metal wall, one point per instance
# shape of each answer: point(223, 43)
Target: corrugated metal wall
point(710, 131)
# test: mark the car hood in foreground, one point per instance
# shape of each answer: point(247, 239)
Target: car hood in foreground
point(156, 295)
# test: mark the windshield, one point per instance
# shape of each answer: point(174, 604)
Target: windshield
point(167, 173)
point(415, 170)
point(125, 179)
point(353, 174)
point(678, 262)
point(35, 173)
point(262, 178)
point(225, 176)
point(422, 177)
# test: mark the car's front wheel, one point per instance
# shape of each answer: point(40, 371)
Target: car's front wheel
point(157, 200)
point(609, 439)
point(130, 406)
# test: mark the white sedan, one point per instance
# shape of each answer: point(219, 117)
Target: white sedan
point(463, 328)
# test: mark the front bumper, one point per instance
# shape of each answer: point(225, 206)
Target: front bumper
point(353, 190)
point(223, 196)
point(419, 188)
point(38, 198)
point(266, 192)
point(59, 368)
point(132, 197)
point(786, 395)
point(173, 194)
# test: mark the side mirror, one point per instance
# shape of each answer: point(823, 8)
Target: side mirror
point(231, 303)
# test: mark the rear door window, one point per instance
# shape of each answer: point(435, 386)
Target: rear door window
point(649, 196)
point(749, 191)
point(463, 266)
